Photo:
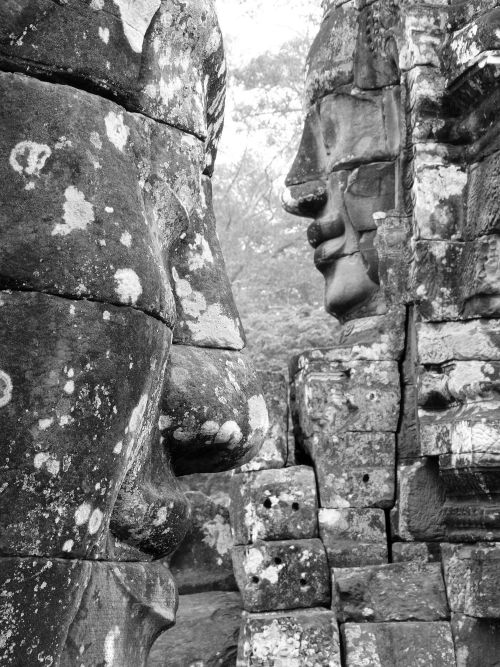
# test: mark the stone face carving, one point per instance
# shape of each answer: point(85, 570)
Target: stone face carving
point(398, 169)
point(111, 112)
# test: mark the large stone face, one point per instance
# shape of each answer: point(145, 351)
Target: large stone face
point(101, 612)
point(88, 207)
point(150, 56)
point(76, 420)
point(110, 120)
point(404, 218)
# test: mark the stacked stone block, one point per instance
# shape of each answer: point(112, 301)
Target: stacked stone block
point(281, 568)
point(346, 411)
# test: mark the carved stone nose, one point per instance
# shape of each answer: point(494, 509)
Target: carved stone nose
point(306, 199)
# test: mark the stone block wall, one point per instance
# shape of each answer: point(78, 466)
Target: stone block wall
point(339, 561)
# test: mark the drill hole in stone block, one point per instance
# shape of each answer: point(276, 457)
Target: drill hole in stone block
point(267, 503)
point(366, 478)
point(278, 560)
point(255, 580)
point(303, 582)
point(295, 507)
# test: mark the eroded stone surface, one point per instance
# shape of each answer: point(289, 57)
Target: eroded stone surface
point(206, 312)
point(398, 644)
point(477, 641)
point(306, 638)
point(103, 614)
point(471, 575)
point(205, 632)
point(273, 452)
point(85, 410)
point(151, 56)
point(356, 470)
point(94, 197)
point(419, 510)
point(346, 396)
point(353, 537)
point(282, 575)
point(421, 552)
point(274, 505)
point(395, 592)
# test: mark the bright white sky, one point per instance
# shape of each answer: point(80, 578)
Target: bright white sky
point(252, 27)
point(264, 25)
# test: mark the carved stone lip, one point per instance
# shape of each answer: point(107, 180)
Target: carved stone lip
point(330, 250)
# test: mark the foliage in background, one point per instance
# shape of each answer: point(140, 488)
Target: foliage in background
point(277, 290)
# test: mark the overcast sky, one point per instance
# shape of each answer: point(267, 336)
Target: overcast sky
point(262, 25)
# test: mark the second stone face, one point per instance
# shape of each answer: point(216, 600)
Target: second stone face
point(282, 575)
point(274, 505)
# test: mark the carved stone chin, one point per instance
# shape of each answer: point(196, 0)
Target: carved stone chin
point(348, 287)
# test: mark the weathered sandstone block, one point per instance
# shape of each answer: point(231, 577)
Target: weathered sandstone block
point(422, 552)
point(396, 592)
point(282, 575)
point(477, 640)
point(418, 513)
point(472, 575)
point(356, 470)
point(273, 452)
point(353, 537)
point(307, 638)
point(274, 505)
point(346, 396)
point(398, 644)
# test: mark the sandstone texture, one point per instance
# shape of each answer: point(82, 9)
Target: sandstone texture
point(282, 575)
point(399, 644)
point(205, 632)
point(353, 537)
point(308, 638)
point(396, 592)
point(274, 505)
